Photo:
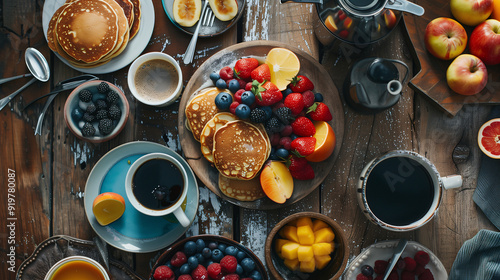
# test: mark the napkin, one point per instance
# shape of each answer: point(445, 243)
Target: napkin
point(479, 258)
point(487, 193)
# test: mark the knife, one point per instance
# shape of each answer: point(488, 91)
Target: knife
point(70, 83)
point(395, 257)
point(103, 250)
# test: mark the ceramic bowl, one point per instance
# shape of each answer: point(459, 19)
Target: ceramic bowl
point(91, 269)
point(179, 246)
point(75, 123)
point(332, 271)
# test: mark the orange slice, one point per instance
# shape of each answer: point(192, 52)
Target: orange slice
point(325, 142)
point(284, 65)
point(496, 10)
point(488, 138)
point(108, 207)
point(330, 24)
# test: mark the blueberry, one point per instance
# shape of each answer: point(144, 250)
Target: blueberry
point(318, 97)
point(247, 97)
point(272, 155)
point(192, 262)
point(200, 244)
point(190, 248)
point(77, 114)
point(248, 264)
point(242, 111)
point(222, 247)
point(239, 269)
point(221, 84)
point(214, 77)
point(255, 275)
point(233, 85)
point(294, 136)
point(231, 250)
point(268, 110)
point(367, 270)
point(286, 92)
point(223, 100)
point(212, 245)
point(240, 255)
point(199, 257)
point(217, 255)
point(282, 153)
point(185, 269)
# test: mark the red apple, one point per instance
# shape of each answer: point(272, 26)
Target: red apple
point(390, 18)
point(467, 75)
point(485, 42)
point(471, 12)
point(445, 38)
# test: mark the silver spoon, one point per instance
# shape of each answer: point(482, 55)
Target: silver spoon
point(39, 68)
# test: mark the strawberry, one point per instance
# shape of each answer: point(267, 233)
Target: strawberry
point(309, 98)
point(319, 112)
point(163, 272)
point(261, 73)
point(245, 66)
point(300, 168)
point(185, 277)
point(228, 264)
point(199, 273)
point(304, 145)
point(232, 277)
point(266, 93)
point(295, 102)
point(178, 259)
point(300, 84)
point(226, 73)
point(303, 126)
point(215, 271)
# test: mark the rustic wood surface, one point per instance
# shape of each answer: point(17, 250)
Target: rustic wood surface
point(51, 169)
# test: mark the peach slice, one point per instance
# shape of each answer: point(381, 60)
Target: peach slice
point(276, 181)
point(108, 207)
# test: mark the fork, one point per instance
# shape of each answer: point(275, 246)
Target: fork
point(206, 19)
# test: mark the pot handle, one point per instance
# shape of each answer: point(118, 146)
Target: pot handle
point(304, 1)
point(405, 6)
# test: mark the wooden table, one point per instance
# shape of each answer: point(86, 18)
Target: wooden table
point(51, 169)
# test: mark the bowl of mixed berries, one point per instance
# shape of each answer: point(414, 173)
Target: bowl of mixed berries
point(96, 111)
point(208, 257)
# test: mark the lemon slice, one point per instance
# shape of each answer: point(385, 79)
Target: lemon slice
point(284, 65)
point(108, 207)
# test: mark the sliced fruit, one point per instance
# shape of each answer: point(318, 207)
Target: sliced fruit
point(305, 253)
point(305, 235)
point(276, 181)
point(322, 248)
point(187, 12)
point(324, 235)
point(292, 264)
point(488, 138)
point(224, 10)
point(304, 221)
point(322, 261)
point(290, 233)
point(319, 224)
point(308, 267)
point(284, 65)
point(289, 250)
point(330, 24)
point(108, 207)
point(325, 142)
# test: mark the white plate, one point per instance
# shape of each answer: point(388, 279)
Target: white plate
point(135, 232)
point(384, 250)
point(131, 52)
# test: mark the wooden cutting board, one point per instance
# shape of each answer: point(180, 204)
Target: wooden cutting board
point(430, 79)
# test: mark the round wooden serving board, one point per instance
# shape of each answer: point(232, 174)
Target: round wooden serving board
point(227, 57)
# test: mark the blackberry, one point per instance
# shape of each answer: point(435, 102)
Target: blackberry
point(258, 115)
point(112, 97)
point(103, 87)
point(101, 104)
point(85, 95)
point(273, 125)
point(88, 129)
point(102, 114)
point(91, 109)
point(283, 114)
point(105, 126)
point(88, 117)
point(114, 112)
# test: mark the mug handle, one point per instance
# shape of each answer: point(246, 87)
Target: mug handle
point(452, 181)
point(181, 217)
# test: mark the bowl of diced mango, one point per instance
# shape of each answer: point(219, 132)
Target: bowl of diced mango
point(306, 245)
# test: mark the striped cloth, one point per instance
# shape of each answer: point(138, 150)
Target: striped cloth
point(479, 258)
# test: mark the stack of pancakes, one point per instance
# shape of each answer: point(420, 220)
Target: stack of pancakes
point(237, 148)
point(89, 33)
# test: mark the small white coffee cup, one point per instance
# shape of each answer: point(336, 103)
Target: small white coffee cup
point(68, 261)
point(155, 79)
point(175, 208)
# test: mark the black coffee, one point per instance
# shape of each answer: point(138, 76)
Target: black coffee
point(399, 191)
point(157, 184)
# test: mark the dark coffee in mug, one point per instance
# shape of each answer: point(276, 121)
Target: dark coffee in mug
point(399, 191)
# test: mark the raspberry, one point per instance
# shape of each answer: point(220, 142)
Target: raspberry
point(422, 257)
point(228, 264)
point(248, 86)
point(308, 98)
point(380, 277)
point(393, 276)
point(163, 272)
point(199, 273)
point(215, 271)
point(246, 279)
point(426, 275)
point(419, 269)
point(243, 83)
point(380, 266)
point(410, 264)
point(178, 259)
point(363, 277)
point(226, 73)
point(232, 107)
point(185, 277)
point(407, 275)
point(237, 95)
point(232, 277)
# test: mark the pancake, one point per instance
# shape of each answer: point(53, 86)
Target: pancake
point(200, 109)
point(123, 30)
point(51, 39)
point(242, 190)
point(207, 135)
point(239, 150)
point(87, 30)
point(128, 10)
point(137, 18)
